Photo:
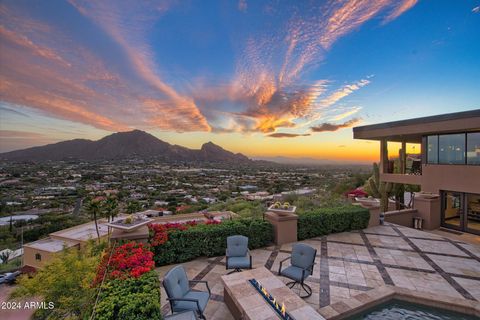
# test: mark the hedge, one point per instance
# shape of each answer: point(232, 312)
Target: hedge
point(323, 221)
point(130, 298)
point(210, 240)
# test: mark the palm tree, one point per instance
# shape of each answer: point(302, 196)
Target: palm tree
point(110, 210)
point(94, 209)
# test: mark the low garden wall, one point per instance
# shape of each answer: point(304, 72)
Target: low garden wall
point(323, 221)
point(176, 243)
point(401, 217)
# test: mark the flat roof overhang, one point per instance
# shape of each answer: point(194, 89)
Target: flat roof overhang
point(412, 130)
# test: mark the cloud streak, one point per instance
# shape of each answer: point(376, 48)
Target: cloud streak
point(287, 135)
point(324, 127)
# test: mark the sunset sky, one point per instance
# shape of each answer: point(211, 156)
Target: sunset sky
point(264, 78)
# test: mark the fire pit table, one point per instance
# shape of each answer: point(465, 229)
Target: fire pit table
point(246, 300)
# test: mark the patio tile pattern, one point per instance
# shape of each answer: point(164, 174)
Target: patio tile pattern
point(350, 264)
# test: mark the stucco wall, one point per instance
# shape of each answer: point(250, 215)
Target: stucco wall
point(29, 257)
point(401, 217)
point(460, 178)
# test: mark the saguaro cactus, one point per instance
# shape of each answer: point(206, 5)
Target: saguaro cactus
point(380, 189)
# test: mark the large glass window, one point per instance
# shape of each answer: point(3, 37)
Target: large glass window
point(451, 149)
point(432, 149)
point(413, 163)
point(473, 148)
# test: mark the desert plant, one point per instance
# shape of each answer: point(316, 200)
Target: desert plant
point(128, 220)
point(379, 189)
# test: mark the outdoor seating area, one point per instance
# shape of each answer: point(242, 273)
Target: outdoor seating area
point(329, 274)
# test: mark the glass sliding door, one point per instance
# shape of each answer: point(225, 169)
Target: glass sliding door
point(472, 202)
point(461, 211)
point(452, 210)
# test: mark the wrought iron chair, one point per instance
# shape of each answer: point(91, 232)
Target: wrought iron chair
point(180, 296)
point(302, 261)
point(237, 254)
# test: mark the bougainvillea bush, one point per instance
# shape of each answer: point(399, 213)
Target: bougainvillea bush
point(176, 243)
point(129, 260)
point(128, 286)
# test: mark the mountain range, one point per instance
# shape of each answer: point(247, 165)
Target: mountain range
point(124, 145)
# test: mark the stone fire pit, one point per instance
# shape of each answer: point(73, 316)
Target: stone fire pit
point(245, 302)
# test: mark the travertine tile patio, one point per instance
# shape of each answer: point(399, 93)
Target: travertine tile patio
point(350, 264)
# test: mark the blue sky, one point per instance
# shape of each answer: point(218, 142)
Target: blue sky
point(260, 77)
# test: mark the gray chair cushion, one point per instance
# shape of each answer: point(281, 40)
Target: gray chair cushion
point(294, 273)
point(238, 262)
point(201, 296)
point(237, 246)
point(176, 282)
point(303, 255)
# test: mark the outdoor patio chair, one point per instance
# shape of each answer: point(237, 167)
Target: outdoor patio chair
point(237, 254)
point(180, 296)
point(302, 261)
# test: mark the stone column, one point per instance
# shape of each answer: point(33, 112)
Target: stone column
point(429, 210)
point(284, 226)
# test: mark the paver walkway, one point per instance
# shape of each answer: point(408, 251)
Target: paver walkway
point(350, 263)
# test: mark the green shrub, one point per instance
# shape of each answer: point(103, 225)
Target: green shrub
point(323, 221)
point(131, 298)
point(211, 240)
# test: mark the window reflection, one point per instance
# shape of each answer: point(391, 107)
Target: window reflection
point(451, 149)
point(473, 148)
point(473, 211)
point(432, 149)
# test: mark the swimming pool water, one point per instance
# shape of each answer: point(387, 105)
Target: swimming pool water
point(400, 310)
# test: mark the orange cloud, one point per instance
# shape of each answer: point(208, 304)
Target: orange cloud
point(287, 135)
point(114, 18)
point(334, 127)
point(401, 7)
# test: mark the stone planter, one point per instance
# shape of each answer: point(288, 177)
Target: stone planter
point(129, 227)
point(281, 211)
point(426, 195)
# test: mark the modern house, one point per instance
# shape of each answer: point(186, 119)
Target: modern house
point(37, 253)
point(441, 154)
